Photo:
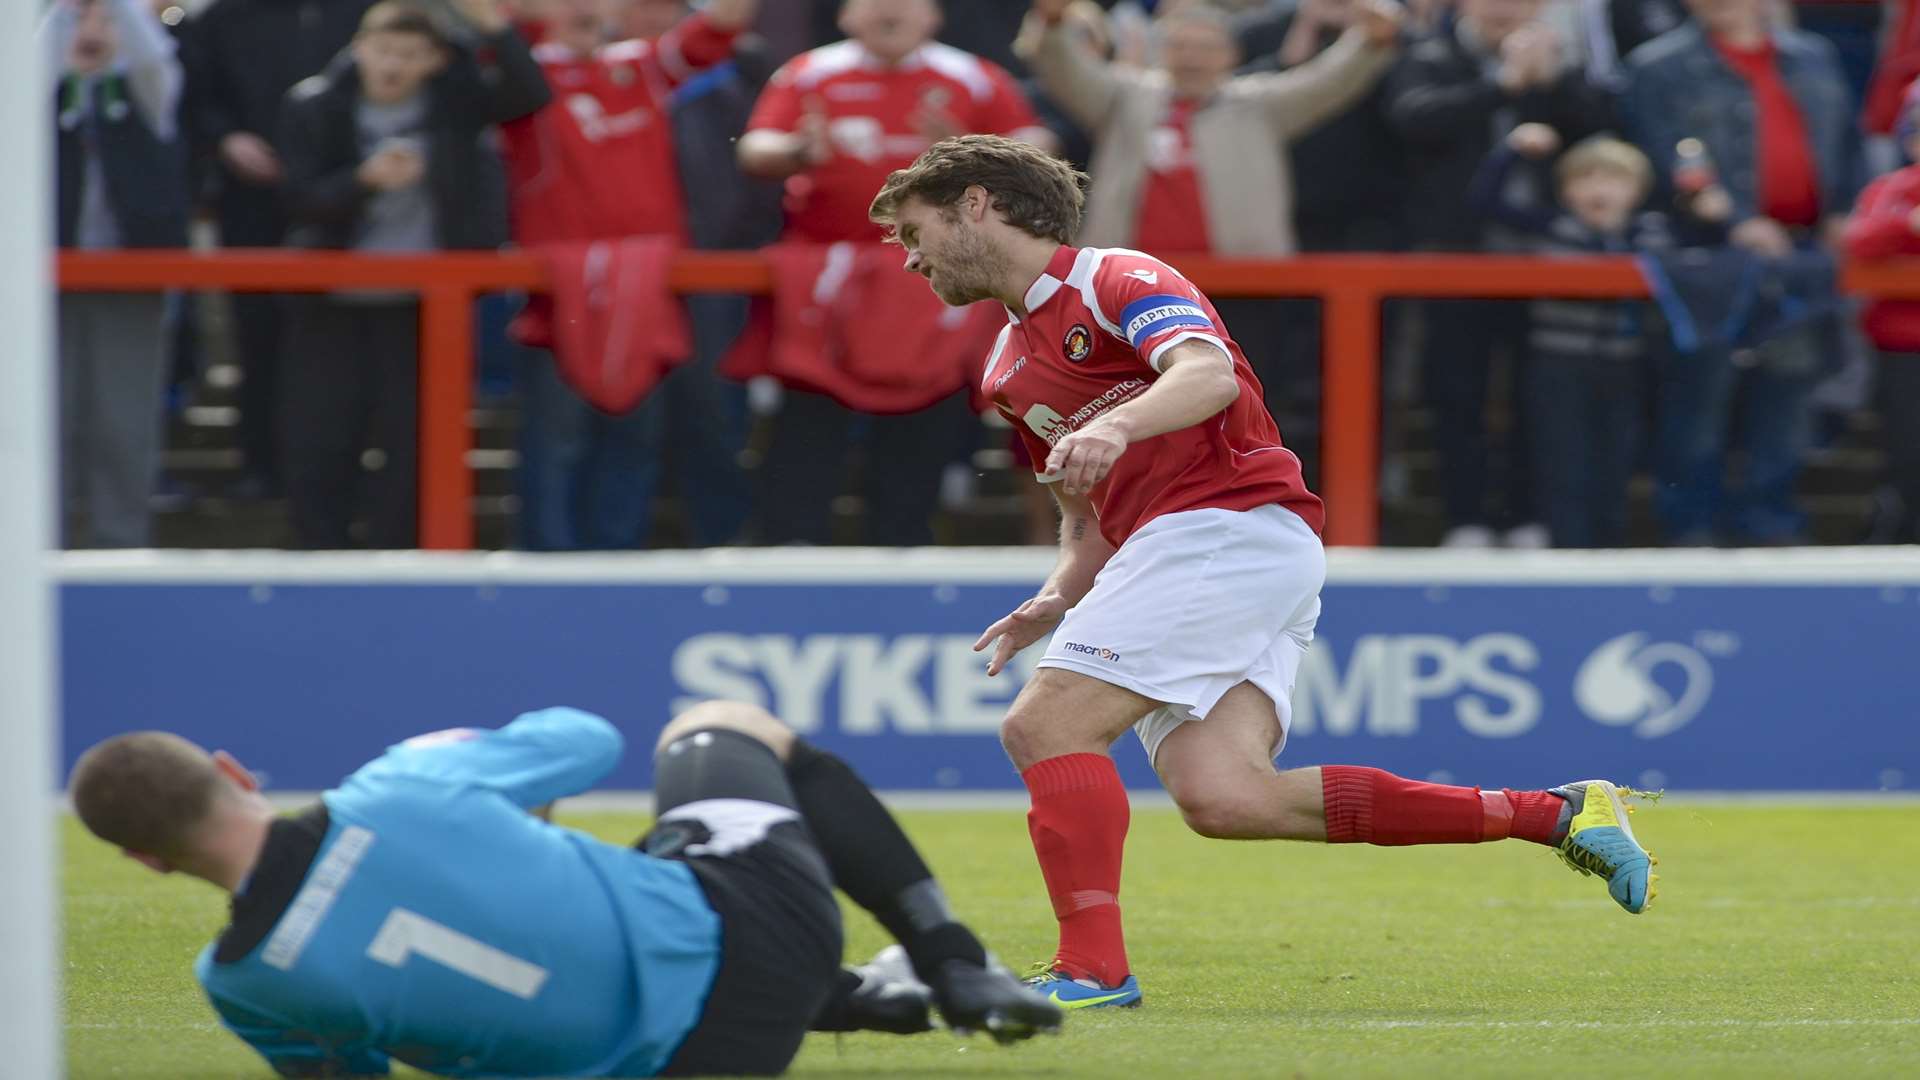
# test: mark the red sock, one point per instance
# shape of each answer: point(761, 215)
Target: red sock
point(1079, 829)
point(1536, 816)
point(1370, 806)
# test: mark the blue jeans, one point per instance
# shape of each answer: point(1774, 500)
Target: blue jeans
point(587, 479)
point(1763, 396)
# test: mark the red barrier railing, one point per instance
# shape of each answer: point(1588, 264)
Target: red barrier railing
point(1350, 286)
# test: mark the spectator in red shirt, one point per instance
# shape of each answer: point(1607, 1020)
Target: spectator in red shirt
point(836, 120)
point(1897, 68)
point(1174, 165)
point(832, 123)
point(648, 20)
point(1768, 110)
point(600, 164)
point(1886, 224)
point(1190, 158)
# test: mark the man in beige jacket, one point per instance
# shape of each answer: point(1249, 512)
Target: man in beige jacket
point(1186, 156)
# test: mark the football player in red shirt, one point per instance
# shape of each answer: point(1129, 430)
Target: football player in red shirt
point(1190, 567)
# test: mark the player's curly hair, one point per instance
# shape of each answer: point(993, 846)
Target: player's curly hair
point(1038, 193)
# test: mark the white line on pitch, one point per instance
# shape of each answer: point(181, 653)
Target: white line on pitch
point(1517, 1025)
point(1652, 1023)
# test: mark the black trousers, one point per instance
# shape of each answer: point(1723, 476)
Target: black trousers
point(350, 383)
point(254, 217)
point(806, 463)
point(1476, 353)
point(1587, 415)
point(780, 930)
point(1899, 394)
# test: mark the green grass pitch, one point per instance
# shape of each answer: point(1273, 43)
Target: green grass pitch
point(1786, 942)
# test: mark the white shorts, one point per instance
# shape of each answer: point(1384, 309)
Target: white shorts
point(1193, 605)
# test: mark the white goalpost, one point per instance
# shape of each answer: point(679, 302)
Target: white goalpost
point(29, 991)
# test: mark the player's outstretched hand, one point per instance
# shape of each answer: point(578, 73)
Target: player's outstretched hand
point(1083, 458)
point(1021, 627)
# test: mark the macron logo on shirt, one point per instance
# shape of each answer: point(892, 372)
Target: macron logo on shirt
point(1151, 314)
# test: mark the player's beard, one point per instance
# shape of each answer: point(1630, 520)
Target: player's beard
point(966, 270)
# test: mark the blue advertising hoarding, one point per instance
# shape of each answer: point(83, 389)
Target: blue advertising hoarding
point(1662, 673)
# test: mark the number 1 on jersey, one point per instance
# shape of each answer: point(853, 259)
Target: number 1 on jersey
point(406, 933)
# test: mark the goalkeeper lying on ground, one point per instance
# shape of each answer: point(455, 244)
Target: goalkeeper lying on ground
point(419, 912)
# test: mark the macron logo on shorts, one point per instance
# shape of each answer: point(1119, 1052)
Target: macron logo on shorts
point(1092, 650)
point(1151, 314)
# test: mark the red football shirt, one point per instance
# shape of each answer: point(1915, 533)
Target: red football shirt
point(599, 163)
point(1097, 324)
point(1882, 227)
point(872, 113)
point(1173, 214)
point(1789, 182)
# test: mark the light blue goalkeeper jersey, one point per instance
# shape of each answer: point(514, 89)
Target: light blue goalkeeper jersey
point(442, 925)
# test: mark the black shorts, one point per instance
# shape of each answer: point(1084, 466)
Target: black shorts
point(726, 809)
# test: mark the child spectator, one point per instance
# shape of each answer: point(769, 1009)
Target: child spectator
point(1455, 94)
point(1586, 393)
point(121, 184)
point(1886, 223)
point(383, 152)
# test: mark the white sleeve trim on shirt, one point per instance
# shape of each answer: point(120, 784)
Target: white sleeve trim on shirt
point(1085, 266)
point(993, 354)
point(1153, 358)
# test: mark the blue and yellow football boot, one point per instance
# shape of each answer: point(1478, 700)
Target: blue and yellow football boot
point(1600, 841)
point(1070, 993)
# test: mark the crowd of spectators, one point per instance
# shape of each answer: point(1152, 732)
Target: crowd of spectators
point(1739, 155)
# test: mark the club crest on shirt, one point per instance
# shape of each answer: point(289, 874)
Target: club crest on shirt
point(1078, 343)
